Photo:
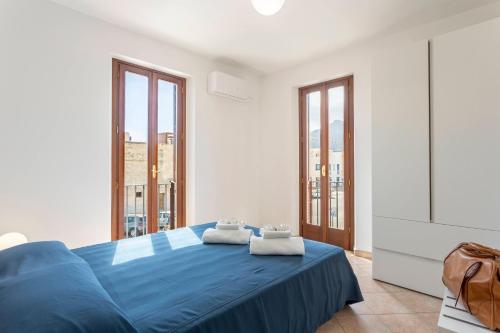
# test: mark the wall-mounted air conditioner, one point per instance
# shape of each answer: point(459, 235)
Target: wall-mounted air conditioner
point(228, 86)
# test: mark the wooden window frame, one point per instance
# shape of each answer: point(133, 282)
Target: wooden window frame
point(348, 160)
point(118, 137)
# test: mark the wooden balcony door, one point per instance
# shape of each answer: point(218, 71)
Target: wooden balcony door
point(327, 162)
point(148, 168)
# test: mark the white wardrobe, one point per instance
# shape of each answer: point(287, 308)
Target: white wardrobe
point(436, 153)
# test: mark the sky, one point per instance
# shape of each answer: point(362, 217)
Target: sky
point(136, 106)
point(335, 107)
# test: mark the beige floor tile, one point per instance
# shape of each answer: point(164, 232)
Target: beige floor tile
point(385, 303)
point(418, 302)
point(431, 319)
point(358, 260)
point(361, 323)
point(360, 308)
point(407, 323)
point(369, 285)
point(362, 270)
point(331, 326)
point(386, 309)
point(391, 288)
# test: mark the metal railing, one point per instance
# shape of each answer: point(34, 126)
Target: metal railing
point(135, 215)
point(314, 189)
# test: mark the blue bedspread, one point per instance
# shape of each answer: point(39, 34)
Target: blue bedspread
point(44, 288)
point(171, 282)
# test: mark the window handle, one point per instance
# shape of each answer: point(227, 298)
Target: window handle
point(323, 171)
point(154, 171)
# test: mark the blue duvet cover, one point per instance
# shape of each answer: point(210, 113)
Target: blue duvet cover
point(171, 282)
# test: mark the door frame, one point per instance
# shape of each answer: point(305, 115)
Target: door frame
point(118, 146)
point(322, 231)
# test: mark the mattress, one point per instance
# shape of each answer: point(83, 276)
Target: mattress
point(172, 282)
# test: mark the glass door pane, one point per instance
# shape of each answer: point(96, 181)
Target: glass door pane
point(313, 172)
point(326, 162)
point(148, 151)
point(166, 136)
point(336, 157)
point(136, 154)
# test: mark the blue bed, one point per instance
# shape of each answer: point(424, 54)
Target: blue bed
point(171, 282)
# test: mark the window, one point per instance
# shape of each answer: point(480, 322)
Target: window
point(326, 123)
point(148, 150)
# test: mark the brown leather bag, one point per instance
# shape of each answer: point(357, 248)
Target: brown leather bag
point(472, 273)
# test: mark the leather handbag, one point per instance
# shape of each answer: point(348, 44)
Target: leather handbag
point(472, 273)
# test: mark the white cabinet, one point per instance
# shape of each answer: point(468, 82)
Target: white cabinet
point(436, 145)
point(400, 133)
point(466, 126)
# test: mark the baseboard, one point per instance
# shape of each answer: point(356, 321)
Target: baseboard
point(363, 254)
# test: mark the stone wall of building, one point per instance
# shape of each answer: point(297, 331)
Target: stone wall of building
point(136, 174)
point(136, 163)
point(336, 158)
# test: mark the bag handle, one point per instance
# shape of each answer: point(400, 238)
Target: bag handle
point(469, 274)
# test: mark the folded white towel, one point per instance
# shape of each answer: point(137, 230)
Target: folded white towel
point(240, 236)
point(270, 234)
point(278, 246)
point(227, 226)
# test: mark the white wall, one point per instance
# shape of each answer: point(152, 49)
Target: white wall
point(279, 154)
point(55, 122)
point(55, 126)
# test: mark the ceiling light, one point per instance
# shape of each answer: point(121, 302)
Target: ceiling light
point(267, 7)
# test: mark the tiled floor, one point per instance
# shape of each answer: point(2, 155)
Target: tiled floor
point(386, 309)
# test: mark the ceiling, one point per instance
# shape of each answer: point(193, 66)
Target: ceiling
point(231, 31)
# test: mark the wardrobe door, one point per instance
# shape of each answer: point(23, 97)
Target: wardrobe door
point(400, 125)
point(466, 126)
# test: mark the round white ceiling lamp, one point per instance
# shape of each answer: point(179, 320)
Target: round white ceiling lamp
point(267, 7)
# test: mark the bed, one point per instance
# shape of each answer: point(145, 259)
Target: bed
point(171, 282)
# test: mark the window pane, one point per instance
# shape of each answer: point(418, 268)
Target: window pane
point(313, 105)
point(167, 109)
point(136, 154)
point(336, 157)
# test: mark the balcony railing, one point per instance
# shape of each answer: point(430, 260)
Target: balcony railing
point(135, 215)
point(335, 198)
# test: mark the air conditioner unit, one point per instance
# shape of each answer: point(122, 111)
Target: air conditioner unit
point(228, 86)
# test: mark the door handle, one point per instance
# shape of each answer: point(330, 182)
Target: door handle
point(323, 171)
point(155, 171)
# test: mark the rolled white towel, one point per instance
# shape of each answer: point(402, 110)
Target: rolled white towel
point(270, 234)
point(227, 226)
point(278, 246)
point(240, 236)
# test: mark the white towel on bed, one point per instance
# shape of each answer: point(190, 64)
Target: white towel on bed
point(278, 246)
point(227, 226)
point(240, 236)
point(270, 234)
